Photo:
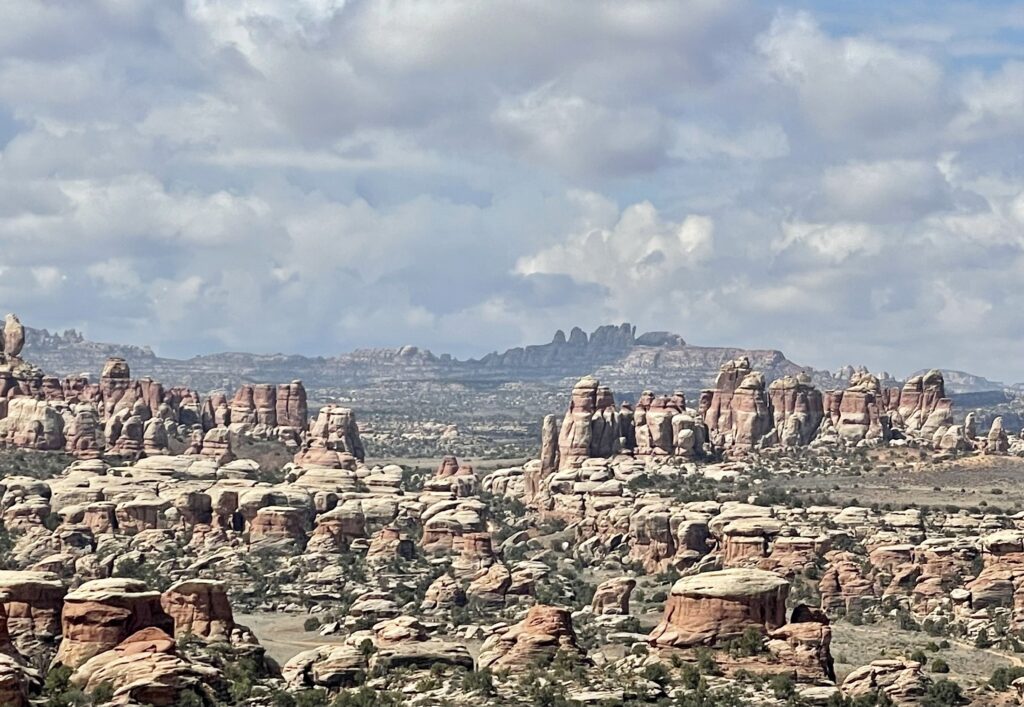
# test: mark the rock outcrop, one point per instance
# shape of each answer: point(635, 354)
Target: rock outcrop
point(705, 609)
point(146, 668)
point(545, 631)
point(333, 440)
point(104, 612)
point(199, 607)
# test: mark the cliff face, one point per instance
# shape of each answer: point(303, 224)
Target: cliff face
point(615, 353)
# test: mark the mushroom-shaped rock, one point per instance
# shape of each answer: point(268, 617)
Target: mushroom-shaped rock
point(715, 606)
point(102, 613)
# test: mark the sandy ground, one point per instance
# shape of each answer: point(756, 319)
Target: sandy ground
point(282, 634)
point(968, 482)
point(853, 646)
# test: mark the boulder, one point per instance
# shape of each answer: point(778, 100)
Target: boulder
point(612, 596)
point(902, 681)
point(14, 336)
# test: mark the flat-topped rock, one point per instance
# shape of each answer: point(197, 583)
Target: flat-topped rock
point(714, 606)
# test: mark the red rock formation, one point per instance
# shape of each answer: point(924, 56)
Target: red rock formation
point(549, 460)
point(803, 645)
point(612, 596)
point(336, 529)
point(115, 380)
point(14, 336)
point(798, 409)
point(83, 436)
point(279, 523)
point(902, 681)
point(32, 602)
point(575, 434)
point(292, 409)
point(388, 544)
point(545, 631)
point(715, 606)
point(199, 607)
point(128, 442)
point(102, 613)
point(861, 412)
point(333, 436)
point(843, 586)
point(217, 445)
point(146, 669)
point(918, 400)
point(32, 424)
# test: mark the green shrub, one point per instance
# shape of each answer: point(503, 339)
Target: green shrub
point(311, 698)
point(751, 643)
point(367, 697)
point(944, 693)
point(1003, 676)
point(481, 681)
point(706, 663)
point(782, 686)
point(657, 673)
point(940, 666)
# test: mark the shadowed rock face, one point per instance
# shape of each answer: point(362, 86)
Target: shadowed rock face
point(32, 602)
point(708, 608)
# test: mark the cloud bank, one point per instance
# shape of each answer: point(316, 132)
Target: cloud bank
point(843, 184)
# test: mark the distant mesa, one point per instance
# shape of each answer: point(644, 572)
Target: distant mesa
point(614, 353)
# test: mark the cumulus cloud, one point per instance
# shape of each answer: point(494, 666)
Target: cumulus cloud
point(318, 175)
point(851, 87)
point(638, 249)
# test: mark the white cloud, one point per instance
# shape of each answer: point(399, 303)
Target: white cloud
point(469, 176)
point(884, 190)
point(636, 251)
point(851, 87)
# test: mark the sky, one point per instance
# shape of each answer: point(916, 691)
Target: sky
point(841, 181)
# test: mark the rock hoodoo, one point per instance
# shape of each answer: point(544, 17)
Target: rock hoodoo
point(705, 609)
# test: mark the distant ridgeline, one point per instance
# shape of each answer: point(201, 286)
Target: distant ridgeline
point(613, 353)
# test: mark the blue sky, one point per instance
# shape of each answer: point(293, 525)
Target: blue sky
point(843, 181)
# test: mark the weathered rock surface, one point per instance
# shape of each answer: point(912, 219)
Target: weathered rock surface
point(533, 641)
point(716, 606)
